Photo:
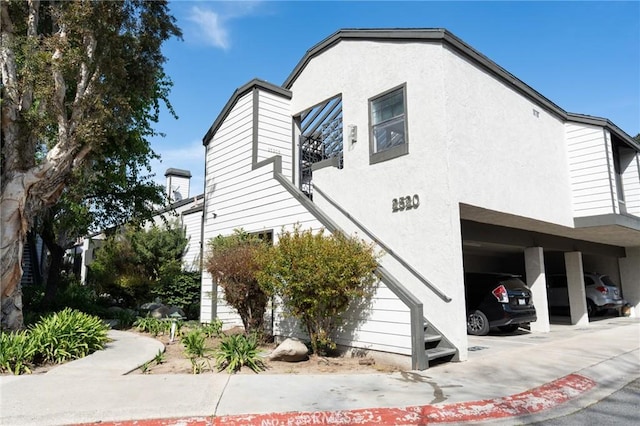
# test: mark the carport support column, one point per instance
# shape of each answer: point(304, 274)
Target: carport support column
point(575, 284)
point(630, 279)
point(534, 268)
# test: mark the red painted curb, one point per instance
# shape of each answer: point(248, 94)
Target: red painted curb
point(532, 401)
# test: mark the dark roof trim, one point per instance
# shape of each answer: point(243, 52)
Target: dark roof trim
point(178, 172)
point(237, 94)
point(603, 122)
point(447, 38)
point(180, 203)
point(195, 209)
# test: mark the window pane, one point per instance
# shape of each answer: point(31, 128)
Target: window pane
point(388, 107)
point(389, 134)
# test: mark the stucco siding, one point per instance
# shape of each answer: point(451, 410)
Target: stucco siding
point(505, 153)
point(360, 71)
point(589, 169)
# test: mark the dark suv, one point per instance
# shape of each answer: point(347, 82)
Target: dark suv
point(497, 300)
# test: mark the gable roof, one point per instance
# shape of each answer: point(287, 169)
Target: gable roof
point(237, 94)
point(441, 35)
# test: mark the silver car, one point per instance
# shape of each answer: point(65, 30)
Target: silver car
point(601, 292)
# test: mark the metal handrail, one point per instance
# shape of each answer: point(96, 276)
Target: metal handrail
point(386, 248)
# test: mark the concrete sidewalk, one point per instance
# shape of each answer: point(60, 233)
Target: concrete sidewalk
point(514, 379)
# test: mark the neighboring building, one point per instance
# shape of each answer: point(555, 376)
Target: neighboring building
point(183, 208)
point(414, 140)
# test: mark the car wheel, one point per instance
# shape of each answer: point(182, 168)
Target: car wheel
point(509, 328)
point(592, 309)
point(477, 324)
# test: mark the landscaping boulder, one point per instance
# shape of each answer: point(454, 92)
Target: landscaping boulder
point(291, 350)
point(157, 309)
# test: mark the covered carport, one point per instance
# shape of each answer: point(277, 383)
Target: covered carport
point(524, 249)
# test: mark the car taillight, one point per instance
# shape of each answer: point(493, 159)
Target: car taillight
point(602, 289)
point(501, 294)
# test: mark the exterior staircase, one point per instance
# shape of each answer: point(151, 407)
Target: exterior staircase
point(437, 348)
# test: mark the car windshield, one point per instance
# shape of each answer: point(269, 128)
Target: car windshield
point(607, 281)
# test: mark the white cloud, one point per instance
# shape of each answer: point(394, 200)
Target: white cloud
point(212, 27)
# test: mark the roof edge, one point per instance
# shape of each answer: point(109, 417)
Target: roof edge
point(237, 94)
point(444, 36)
point(605, 122)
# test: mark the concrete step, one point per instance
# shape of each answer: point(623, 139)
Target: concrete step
point(436, 353)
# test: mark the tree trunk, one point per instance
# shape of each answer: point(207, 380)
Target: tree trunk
point(14, 234)
point(23, 197)
point(12, 318)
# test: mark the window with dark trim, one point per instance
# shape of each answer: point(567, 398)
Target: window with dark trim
point(388, 125)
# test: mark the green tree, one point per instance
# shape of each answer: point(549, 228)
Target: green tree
point(134, 264)
point(77, 77)
point(114, 191)
point(318, 277)
point(234, 262)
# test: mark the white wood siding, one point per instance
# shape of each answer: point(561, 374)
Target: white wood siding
point(274, 129)
point(192, 224)
point(385, 326)
point(590, 165)
point(228, 158)
point(631, 185)
point(255, 201)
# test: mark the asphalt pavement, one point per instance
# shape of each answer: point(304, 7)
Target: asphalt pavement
point(512, 379)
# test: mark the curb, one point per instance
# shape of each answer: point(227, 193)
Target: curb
point(533, 401)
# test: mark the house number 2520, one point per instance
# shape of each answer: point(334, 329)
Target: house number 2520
point(405, 203)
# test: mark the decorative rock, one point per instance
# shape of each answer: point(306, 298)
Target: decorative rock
point(160, 312)
point(291, 350)
point(176, 310)
point(150, 306)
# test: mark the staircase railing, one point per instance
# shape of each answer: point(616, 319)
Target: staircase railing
point(418, 357)
point(386, 248)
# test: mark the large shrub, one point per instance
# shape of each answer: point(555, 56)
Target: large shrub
point(133, 265)
point(234, 262)
point(16, 352)
point(318, 277)
point(179, 288)
point(67, 335)
point(56, 338)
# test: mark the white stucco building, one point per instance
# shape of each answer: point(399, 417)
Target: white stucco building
point(416, 141)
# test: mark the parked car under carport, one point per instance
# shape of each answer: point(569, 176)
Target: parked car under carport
point(601, 293)
point(497, 300)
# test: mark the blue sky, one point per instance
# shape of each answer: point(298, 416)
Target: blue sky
point(584, 56)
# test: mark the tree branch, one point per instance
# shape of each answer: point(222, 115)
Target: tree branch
point(60, 88)
point(11, 96)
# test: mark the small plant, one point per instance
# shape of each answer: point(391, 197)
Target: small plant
point(67, 335)
point(149, 325)
point(236, 351)
point(195, 344)
point(212, 329)
point(16, 353)
point(125, 318)
point(160, 357)
point(199, 365)
point(144, 368)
